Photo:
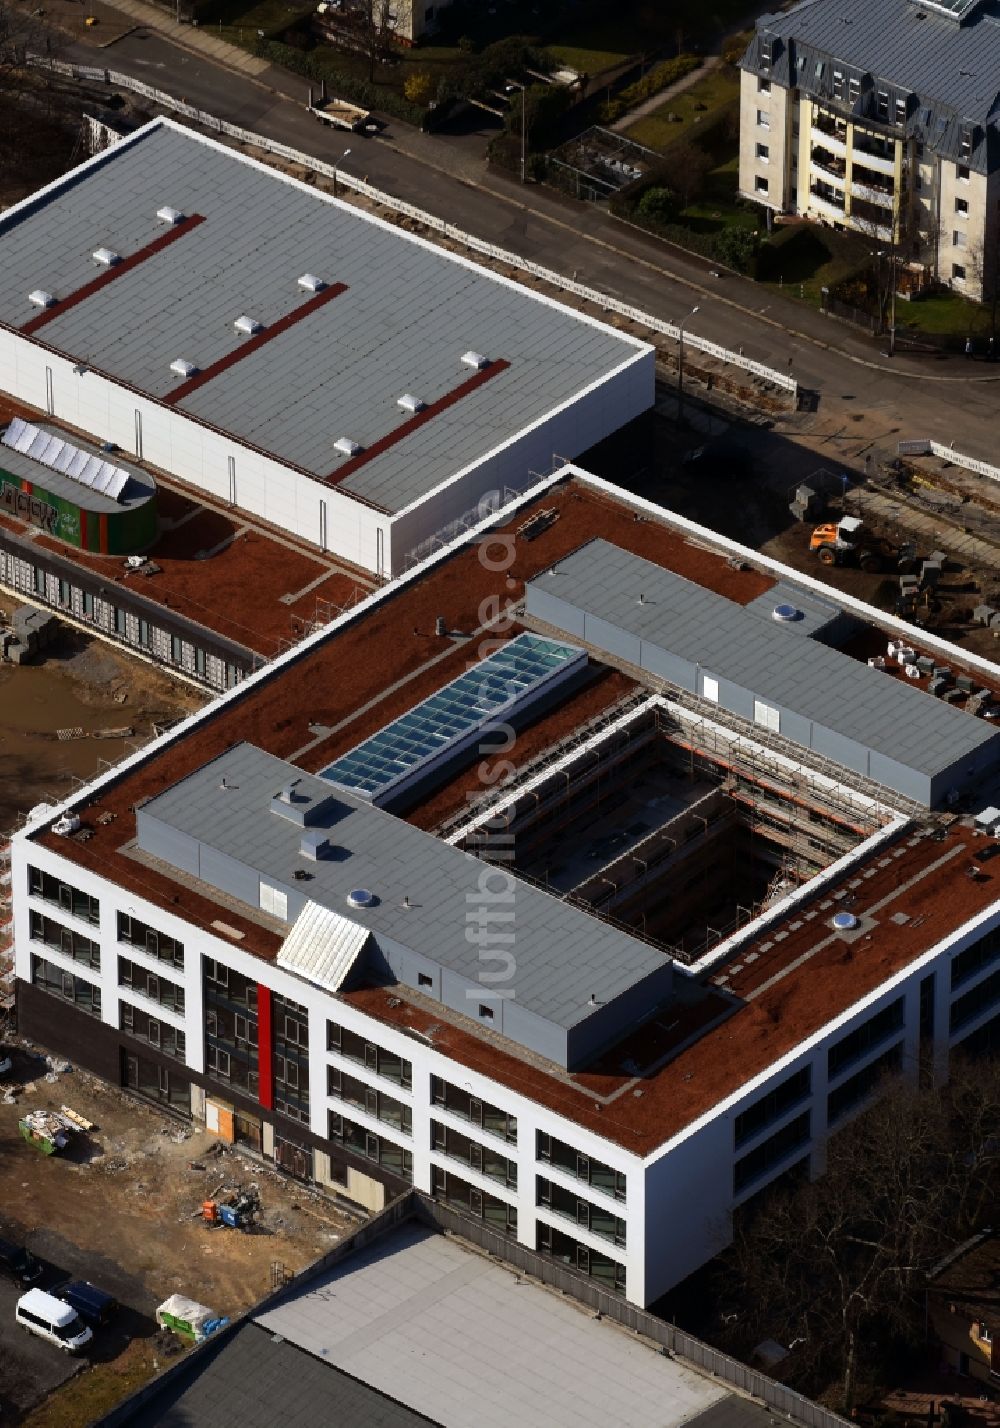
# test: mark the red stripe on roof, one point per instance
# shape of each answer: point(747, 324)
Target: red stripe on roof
point(493, 369)
point(118, 270)
point(251, 344)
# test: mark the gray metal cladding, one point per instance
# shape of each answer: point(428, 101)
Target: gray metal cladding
point(409, 313)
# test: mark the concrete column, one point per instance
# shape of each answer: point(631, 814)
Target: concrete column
point(848, 170)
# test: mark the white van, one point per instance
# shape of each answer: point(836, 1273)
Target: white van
point(48, 1317)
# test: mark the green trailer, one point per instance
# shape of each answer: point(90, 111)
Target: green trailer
point(48, 1131)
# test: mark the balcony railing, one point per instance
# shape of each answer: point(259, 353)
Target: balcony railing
point(829, 163)
point(866, 178)
point(827, 199)
point(875, 156)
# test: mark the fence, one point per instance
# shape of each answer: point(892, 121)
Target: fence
point(419, 215)
point(926, 447)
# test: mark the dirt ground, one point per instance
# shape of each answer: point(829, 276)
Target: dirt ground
point(83, 685)
point(120, 1208)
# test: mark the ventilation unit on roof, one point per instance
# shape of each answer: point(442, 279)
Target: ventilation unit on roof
point(785, 614)
point(166, 214)
point(844, 921)
point(475, 359)
point(346, 446)
point(311, 283)
point(107, 256)
point(360, 897)
point(180, 368)
point(40, 298)
point(249, 326)
point(410, 403)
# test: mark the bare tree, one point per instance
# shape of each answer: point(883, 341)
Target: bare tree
point(369, 26)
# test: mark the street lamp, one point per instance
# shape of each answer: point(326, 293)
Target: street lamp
point(513, 84)
point(336, 165)
point(680, 363)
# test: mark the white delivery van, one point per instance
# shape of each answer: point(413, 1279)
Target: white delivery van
point(48, 1317)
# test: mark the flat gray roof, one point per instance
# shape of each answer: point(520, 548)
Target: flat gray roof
point(905, 44)
point(452, 1334)
point(841, 693)
point(563, 955)
point(409, 313)
point(139, 489)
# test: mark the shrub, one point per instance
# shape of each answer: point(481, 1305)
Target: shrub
point(659, 204)
point(420, 88)
point(660, 77)
point(738, 248)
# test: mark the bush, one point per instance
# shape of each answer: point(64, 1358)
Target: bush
point(659, 204)
point(315, 66)
point(738, 248)
point(660, 77)
point(420, 88)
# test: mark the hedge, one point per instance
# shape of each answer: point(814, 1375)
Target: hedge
point(660, 77)
point(356, 91)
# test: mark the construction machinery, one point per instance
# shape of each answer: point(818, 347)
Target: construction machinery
point(240, 1212)
point(847, 542)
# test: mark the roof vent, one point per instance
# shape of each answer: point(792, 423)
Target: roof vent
point(346, 446)
point(166, 214)
point(311, 284)
point(181, 368)
point(410, 403)
point(248, 326)
point(41, 298)
point(475, 359)
point(786, 614)
point(107, 256)
point(314, 845)
point(843, 921)
point(360, 897)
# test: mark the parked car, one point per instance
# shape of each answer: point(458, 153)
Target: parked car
point(19, 1262)
point(93, 1305)
point(48, 1317)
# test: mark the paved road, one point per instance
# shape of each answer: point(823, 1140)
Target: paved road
point(950, 399)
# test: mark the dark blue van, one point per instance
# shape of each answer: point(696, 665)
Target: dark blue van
point(92, 1304)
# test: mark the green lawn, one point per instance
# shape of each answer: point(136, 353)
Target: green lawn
point(944, 312)
point(702, 102)
point(718, 207)
point(803, 258)
point(586, 59)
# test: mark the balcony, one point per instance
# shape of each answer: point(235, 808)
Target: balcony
point(872, 154)
point(827, 162)
point(834, 131)
point(870, 184)
point(827, 202)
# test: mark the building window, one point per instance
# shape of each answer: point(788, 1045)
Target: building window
point(274, 901)
point(176, 649)
point(471, 1108)
point(52, 890)
point(710, 688)
point(65, 593)
point(558, 1245)
point(763, 122)
point(882, 104)
point(763, 153)
point(763, 85)
point(838, 84)
point(765, 52)
point(38, 581)
point(766, 716)
point(858, 1088)
point(218, 1062)
point(377, 1148)
point(853, 90)
point(969, 1006)
point(962, 207)
point(772, 1106)
point(291, 1058)
point(156, 944)
point(145, 635)
point(75, 990)
point(761, 184)
point(981, 954)
point(200, 660)
point(957, 273)
point(557, 1153)
point(64, 939)
point(962, 173)
point(598, 1219)
point(483, 1158)
point(166, 994)
point(88, 604)
point(485, 1012)
point(965, 144)
point(121, 621)
point(864, 1038)
point(771, 1152)
point(470, 1200)
point(900, 111)
point(958, 238)
point(354, 1047)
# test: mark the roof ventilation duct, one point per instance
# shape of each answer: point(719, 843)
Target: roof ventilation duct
point(843, 921)
point(360, 897)
point(785, 614)
point(181, 368)
point(166, 214)
point(311, 284)
point(248, 326)
point(314, 846)
point(475, 359)
point(40, 298)
point(346, 446)
point(107, 257)
point(410, 403)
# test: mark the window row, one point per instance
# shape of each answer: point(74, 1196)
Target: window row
point(470, 1200)
point(80, 993)
point(595, 1218)
point(864, 1038)
point(53, 890)
point(374, 1058)
point(161, 1034)
point(771, 1152)
point(858, 1088)
point(981, 954)
point(376, 1148)
point(483, 1158)
point(155, 944)
point(375, 1103)
point(150, 984)
point(560, 1246)
point(773, 1105)
point(583, 1167)
point(471, 1108)
point(64, 939)
point(240, 1072)
point(971, 1004)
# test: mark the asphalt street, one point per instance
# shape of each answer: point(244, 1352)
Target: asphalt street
point(950, 399)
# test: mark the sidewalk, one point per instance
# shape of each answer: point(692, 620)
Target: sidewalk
point(189, 37)
point(648, 105)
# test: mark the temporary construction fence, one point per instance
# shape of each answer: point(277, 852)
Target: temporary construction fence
point(783, 381)
point(925, 447)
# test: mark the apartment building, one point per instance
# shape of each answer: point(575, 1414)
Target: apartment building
point(588, 923)
point(882, 116)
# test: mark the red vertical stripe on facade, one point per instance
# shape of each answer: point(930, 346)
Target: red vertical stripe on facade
point(102, 524)
point(265, 1068)
point(27, 487)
